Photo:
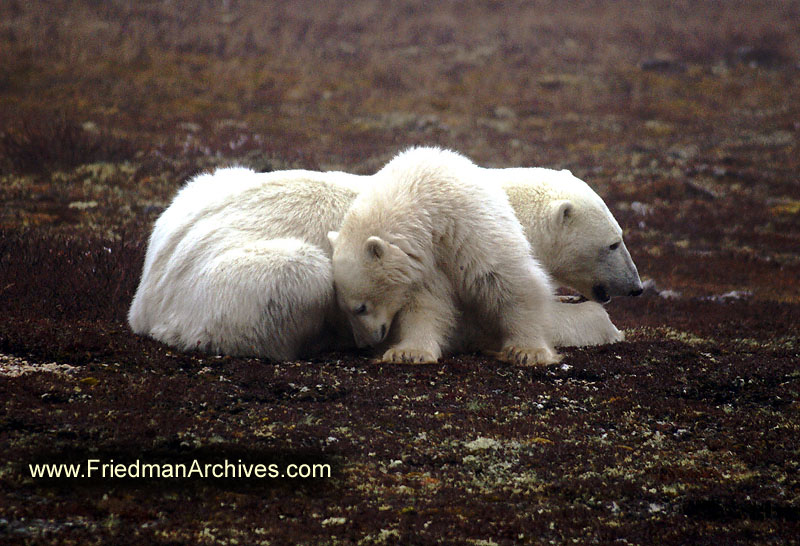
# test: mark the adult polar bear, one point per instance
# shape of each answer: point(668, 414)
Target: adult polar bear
point(239, 263)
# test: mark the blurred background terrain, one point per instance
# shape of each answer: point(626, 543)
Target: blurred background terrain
point(684, 116)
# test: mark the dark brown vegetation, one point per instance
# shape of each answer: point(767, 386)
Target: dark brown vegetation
point(683, 115)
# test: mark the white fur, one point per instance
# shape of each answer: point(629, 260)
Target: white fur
point(432, 239)
point(572, 231)
point(239, 264)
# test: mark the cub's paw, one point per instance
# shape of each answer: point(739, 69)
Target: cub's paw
point(524, 356)
point(408, 356)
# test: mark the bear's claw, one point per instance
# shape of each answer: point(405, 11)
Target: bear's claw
point(523, 356)
point(408, 356)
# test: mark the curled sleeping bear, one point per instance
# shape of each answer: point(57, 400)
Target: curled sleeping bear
point(431, 238)
point(239, 263)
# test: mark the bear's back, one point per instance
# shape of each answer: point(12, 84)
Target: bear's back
point(215, 212)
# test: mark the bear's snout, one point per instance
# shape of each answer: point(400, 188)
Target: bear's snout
point(379, 334)
point(364, 337)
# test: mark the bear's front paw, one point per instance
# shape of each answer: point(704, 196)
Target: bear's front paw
point(523, 356)
point(408, 356)
point(601, 325)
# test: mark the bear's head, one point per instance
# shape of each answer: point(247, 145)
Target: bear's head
point(572, 232)
point(372, 278)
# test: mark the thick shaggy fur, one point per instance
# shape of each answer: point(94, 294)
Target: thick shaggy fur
point(434, 238)
point(576, 238)
point(239, 263)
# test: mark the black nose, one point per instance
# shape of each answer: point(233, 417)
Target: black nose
point(637, 292)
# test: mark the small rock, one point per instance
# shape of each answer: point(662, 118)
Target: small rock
point(666, 66)
point(759, 57)
point(670, 294)
point(696, 190)
point(684, 152)
point(650, 289)
point(504, 112)
point(190, 127)
point(640, 208)
point(727, 297)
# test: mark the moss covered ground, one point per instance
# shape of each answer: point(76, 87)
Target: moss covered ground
point(684, 116)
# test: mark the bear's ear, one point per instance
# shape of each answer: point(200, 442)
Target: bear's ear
point(561, 212)
point(332, 236)
point(375, 247)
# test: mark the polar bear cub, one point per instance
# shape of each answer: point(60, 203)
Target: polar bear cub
point(431, 239)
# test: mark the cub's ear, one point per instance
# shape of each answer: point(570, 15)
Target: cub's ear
point(561, 212)
point(332, 237)
point(375, 247)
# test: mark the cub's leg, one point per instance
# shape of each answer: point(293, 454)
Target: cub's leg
point(424, 326)
point(525, 303)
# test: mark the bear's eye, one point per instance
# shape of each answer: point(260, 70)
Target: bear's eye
point(360, 310)
point(615, 246)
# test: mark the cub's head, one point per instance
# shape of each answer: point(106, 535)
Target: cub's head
point(372, 278)
point(572, 232)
